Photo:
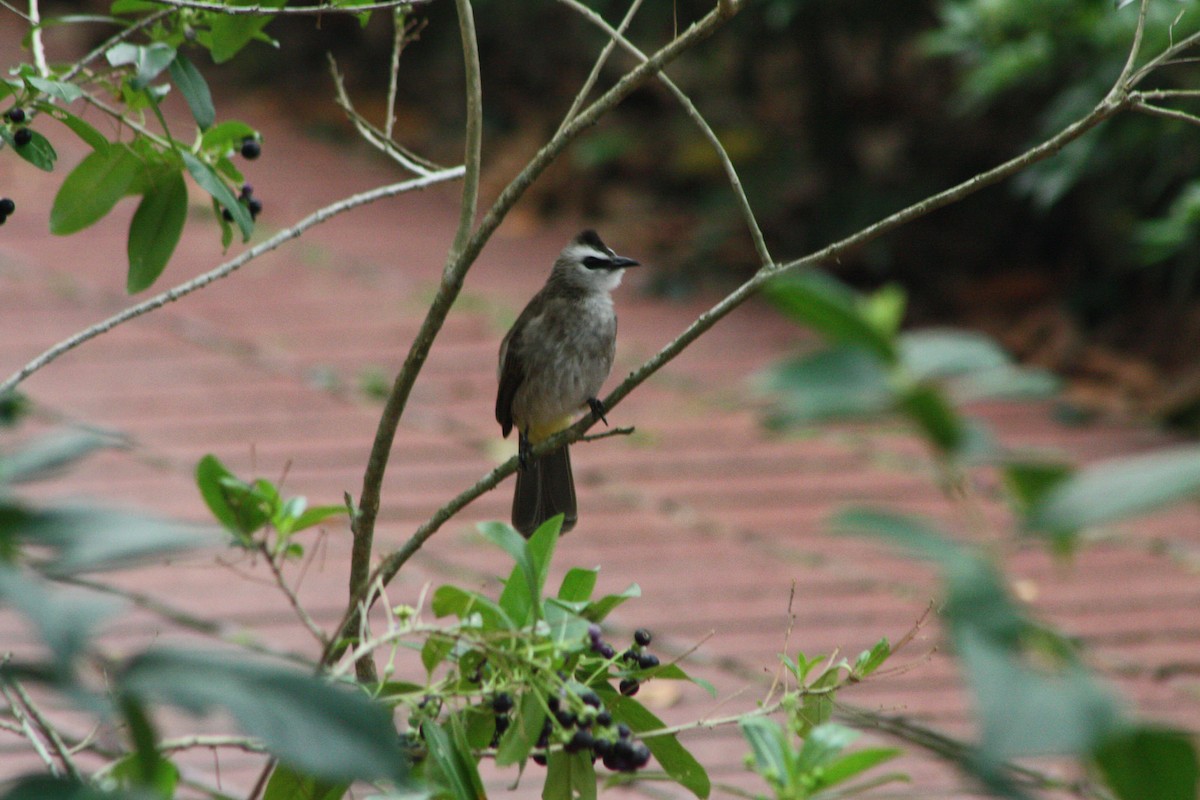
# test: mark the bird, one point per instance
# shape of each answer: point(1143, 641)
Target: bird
point(553, 362)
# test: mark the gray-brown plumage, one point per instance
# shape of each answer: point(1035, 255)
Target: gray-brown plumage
point(552, 364)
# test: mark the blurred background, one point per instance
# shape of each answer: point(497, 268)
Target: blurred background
point(837, 113)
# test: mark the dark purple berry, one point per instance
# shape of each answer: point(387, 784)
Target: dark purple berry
point(642, 636)
point(647, 661)
point(623, 730)
point(247, 191)
point(502, 703)
point(251, 149)
point(601, 747)
point(582, 740)
point(7, 206)
point(629, 687)
point(623, 755)
point(605, 650)
point(604, 719)
point(254, 207)
point(16, 114)
point(552, 703)
point(590, 698)
point(594, 632)
point(22, 137)
point(630, 655)
point(3, 219)
point(641, 755)
point(565, 718)
point(502, 723)
point(539, 759)
point(227, 214)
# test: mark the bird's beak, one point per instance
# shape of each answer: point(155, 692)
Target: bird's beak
point(620, 262)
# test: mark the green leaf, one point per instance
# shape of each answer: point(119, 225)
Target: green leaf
point(84, 539)
point(770, 747)
point(823, 744)
point(93, 188)
point(146, 764)
point(911, 533)
point(825, 304)
point(926, 406)
point(463, 604)
point(194, 89)
point(569, 776)
point(148, 60)
point(854, 764)
point(1118, 489)
point(1026, 710)
point(330, 732)
point(577, 585)
point(1030, 481)
point(46, 787)
point(210, 182)
point(434, 652)
point(931, 354)
point(231, 501)
point(155, 229)
point(63, 621)
point(37, 151)
point(523, 733)
point(598, 610)
point(817, 706)
point(84, 130)
point(59, 90)
point(842, 381)
point(453, 758)
point(287, 784)
point(870, 660)
point(1150, 762)
point(50, 455)
point(226, 137)
point(232, 32)
point(316, 515)
point(680, 764)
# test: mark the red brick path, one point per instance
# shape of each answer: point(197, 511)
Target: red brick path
point(715, 519)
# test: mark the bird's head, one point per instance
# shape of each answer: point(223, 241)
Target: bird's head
point(587, 261)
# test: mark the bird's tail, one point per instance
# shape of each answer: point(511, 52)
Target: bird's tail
point(545, 487)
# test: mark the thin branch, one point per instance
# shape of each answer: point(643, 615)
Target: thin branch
point(731, 175)
point(29, 732)
point(226, 269)
point(35, 39)
point(116, 38)
point(1162, 59)
point(373, 136)
point(1134, 49)
point(47, 729)
point(271, 11)
point(601, 60)
point(246, 743)
point(363, 523)
point(1168, 94)
point(1166, 113)
point(294, 601)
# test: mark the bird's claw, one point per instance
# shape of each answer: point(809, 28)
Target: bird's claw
point(597, 406)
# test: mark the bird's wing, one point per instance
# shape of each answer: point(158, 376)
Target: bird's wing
point(512, 373)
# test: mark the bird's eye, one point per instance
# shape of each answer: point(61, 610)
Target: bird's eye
point(592, 262)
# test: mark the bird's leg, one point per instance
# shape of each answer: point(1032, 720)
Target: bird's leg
point(523, 450)
point(597, 407)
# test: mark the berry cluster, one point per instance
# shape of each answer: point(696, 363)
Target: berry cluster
point(636, 656)
point(591, 727)
point(7, 207)
point(246, 198)
point(22, 135)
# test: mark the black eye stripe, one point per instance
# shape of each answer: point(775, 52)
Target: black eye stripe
point(593, 262)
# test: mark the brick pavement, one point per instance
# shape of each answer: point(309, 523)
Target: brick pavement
point(714, 518)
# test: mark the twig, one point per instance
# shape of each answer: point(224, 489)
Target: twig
point(1121, 83)
point(35, 39)
point(601, 59)
point(595, 437)
point(293, 600)
point(211, 740)
point(731, 175)
point(47, 729)
point(28, 731)
point(373, 136)
point(271, 11)
point(226, 269)
point(1167, 113)
point(116, 38)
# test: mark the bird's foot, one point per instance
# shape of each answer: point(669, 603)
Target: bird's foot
point(597, 407)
